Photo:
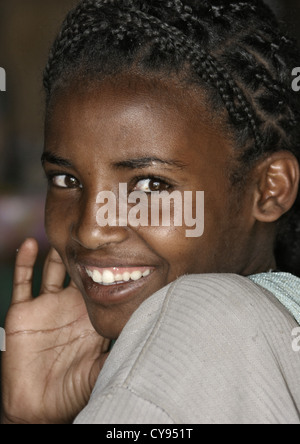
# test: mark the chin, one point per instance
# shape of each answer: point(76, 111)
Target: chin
point(108, 322)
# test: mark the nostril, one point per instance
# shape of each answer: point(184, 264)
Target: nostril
point(93, 237)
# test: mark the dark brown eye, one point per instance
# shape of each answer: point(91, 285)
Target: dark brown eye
point(65, 181)
point(151, 185)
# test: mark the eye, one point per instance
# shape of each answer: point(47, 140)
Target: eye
point(151, 185)
point(64, 181)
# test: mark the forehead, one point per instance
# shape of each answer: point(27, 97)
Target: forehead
point(128, 113)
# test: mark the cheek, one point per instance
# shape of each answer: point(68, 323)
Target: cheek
point(57, 223)
point(193, 255)
point(175, 249)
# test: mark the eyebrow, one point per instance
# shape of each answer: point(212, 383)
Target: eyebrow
point(145, 162)
point(56, 160)
point(131, 164)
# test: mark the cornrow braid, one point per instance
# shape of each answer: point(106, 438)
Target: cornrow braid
point(233, 48)
point(203, 64)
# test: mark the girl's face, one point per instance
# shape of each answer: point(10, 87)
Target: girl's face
point(153, 138)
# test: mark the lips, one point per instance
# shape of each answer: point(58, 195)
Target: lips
point(108, 285)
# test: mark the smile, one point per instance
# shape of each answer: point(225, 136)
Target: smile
point(116, 275)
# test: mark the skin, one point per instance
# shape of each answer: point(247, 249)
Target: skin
point(117, 123)
point(56, 343)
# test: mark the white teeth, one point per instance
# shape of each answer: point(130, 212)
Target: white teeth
point(90, 273)
point(126, 276)
point(108, 277)
point(136, 275)
point(97, 277)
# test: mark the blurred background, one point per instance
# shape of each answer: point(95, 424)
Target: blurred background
point(27, 29)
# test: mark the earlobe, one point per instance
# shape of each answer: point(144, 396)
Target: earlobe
point(277, 186)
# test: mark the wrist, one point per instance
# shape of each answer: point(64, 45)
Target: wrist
point(4, 420)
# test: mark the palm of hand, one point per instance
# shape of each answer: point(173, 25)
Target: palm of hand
point(53, 355)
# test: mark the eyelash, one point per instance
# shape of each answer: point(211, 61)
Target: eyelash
point(133, 184)
point(152, 178)
point(50, 178)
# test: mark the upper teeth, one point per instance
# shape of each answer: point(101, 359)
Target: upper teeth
point(108, 277)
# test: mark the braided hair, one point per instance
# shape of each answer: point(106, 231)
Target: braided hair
point(234, 48)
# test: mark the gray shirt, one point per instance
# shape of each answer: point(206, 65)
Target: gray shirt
point(207, 349)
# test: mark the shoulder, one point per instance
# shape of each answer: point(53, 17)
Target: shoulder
point(221, 299)
point(196, 317)
point(206, 349)
point(220, 341)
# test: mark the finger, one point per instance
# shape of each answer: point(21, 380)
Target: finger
point(26, 258)
point(73, 285)
point(54, 273)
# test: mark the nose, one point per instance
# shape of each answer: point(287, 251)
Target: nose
point(86, 232)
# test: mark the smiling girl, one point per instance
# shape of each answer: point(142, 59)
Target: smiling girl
point(179, 95)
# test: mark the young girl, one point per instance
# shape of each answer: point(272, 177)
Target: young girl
point(164, 95)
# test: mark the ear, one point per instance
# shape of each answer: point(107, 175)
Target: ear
point(276, 187)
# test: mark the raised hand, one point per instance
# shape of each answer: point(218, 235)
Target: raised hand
point(53, 354)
